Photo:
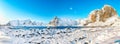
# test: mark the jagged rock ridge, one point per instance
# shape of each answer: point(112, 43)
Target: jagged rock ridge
point(103, 14)
point(106, 16)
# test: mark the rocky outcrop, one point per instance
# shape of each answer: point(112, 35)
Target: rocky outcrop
point(62, 22)
point(54, 22)
point(101, 15)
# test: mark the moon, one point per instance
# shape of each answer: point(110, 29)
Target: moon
point(71, 8)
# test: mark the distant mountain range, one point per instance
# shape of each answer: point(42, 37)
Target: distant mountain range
point(106, 16)
point(23, 23)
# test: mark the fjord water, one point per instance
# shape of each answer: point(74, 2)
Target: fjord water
point(44, 27)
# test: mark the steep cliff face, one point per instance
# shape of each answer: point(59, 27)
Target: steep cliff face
point(101, 15)
point(106, 16)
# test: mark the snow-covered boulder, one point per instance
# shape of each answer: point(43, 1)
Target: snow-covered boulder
point(4, 39)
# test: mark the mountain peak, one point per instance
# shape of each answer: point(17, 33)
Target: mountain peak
point(103, 14)
point(54, 22)
point(62, 22)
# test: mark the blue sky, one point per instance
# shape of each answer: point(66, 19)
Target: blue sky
point(45, 10)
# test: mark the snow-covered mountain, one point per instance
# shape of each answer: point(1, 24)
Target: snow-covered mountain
point(103, 14)
point(106, 16)
point(62, 22)
point(24, 23)
point(55, 22)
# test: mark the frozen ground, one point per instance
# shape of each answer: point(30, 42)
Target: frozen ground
point(60, 36)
